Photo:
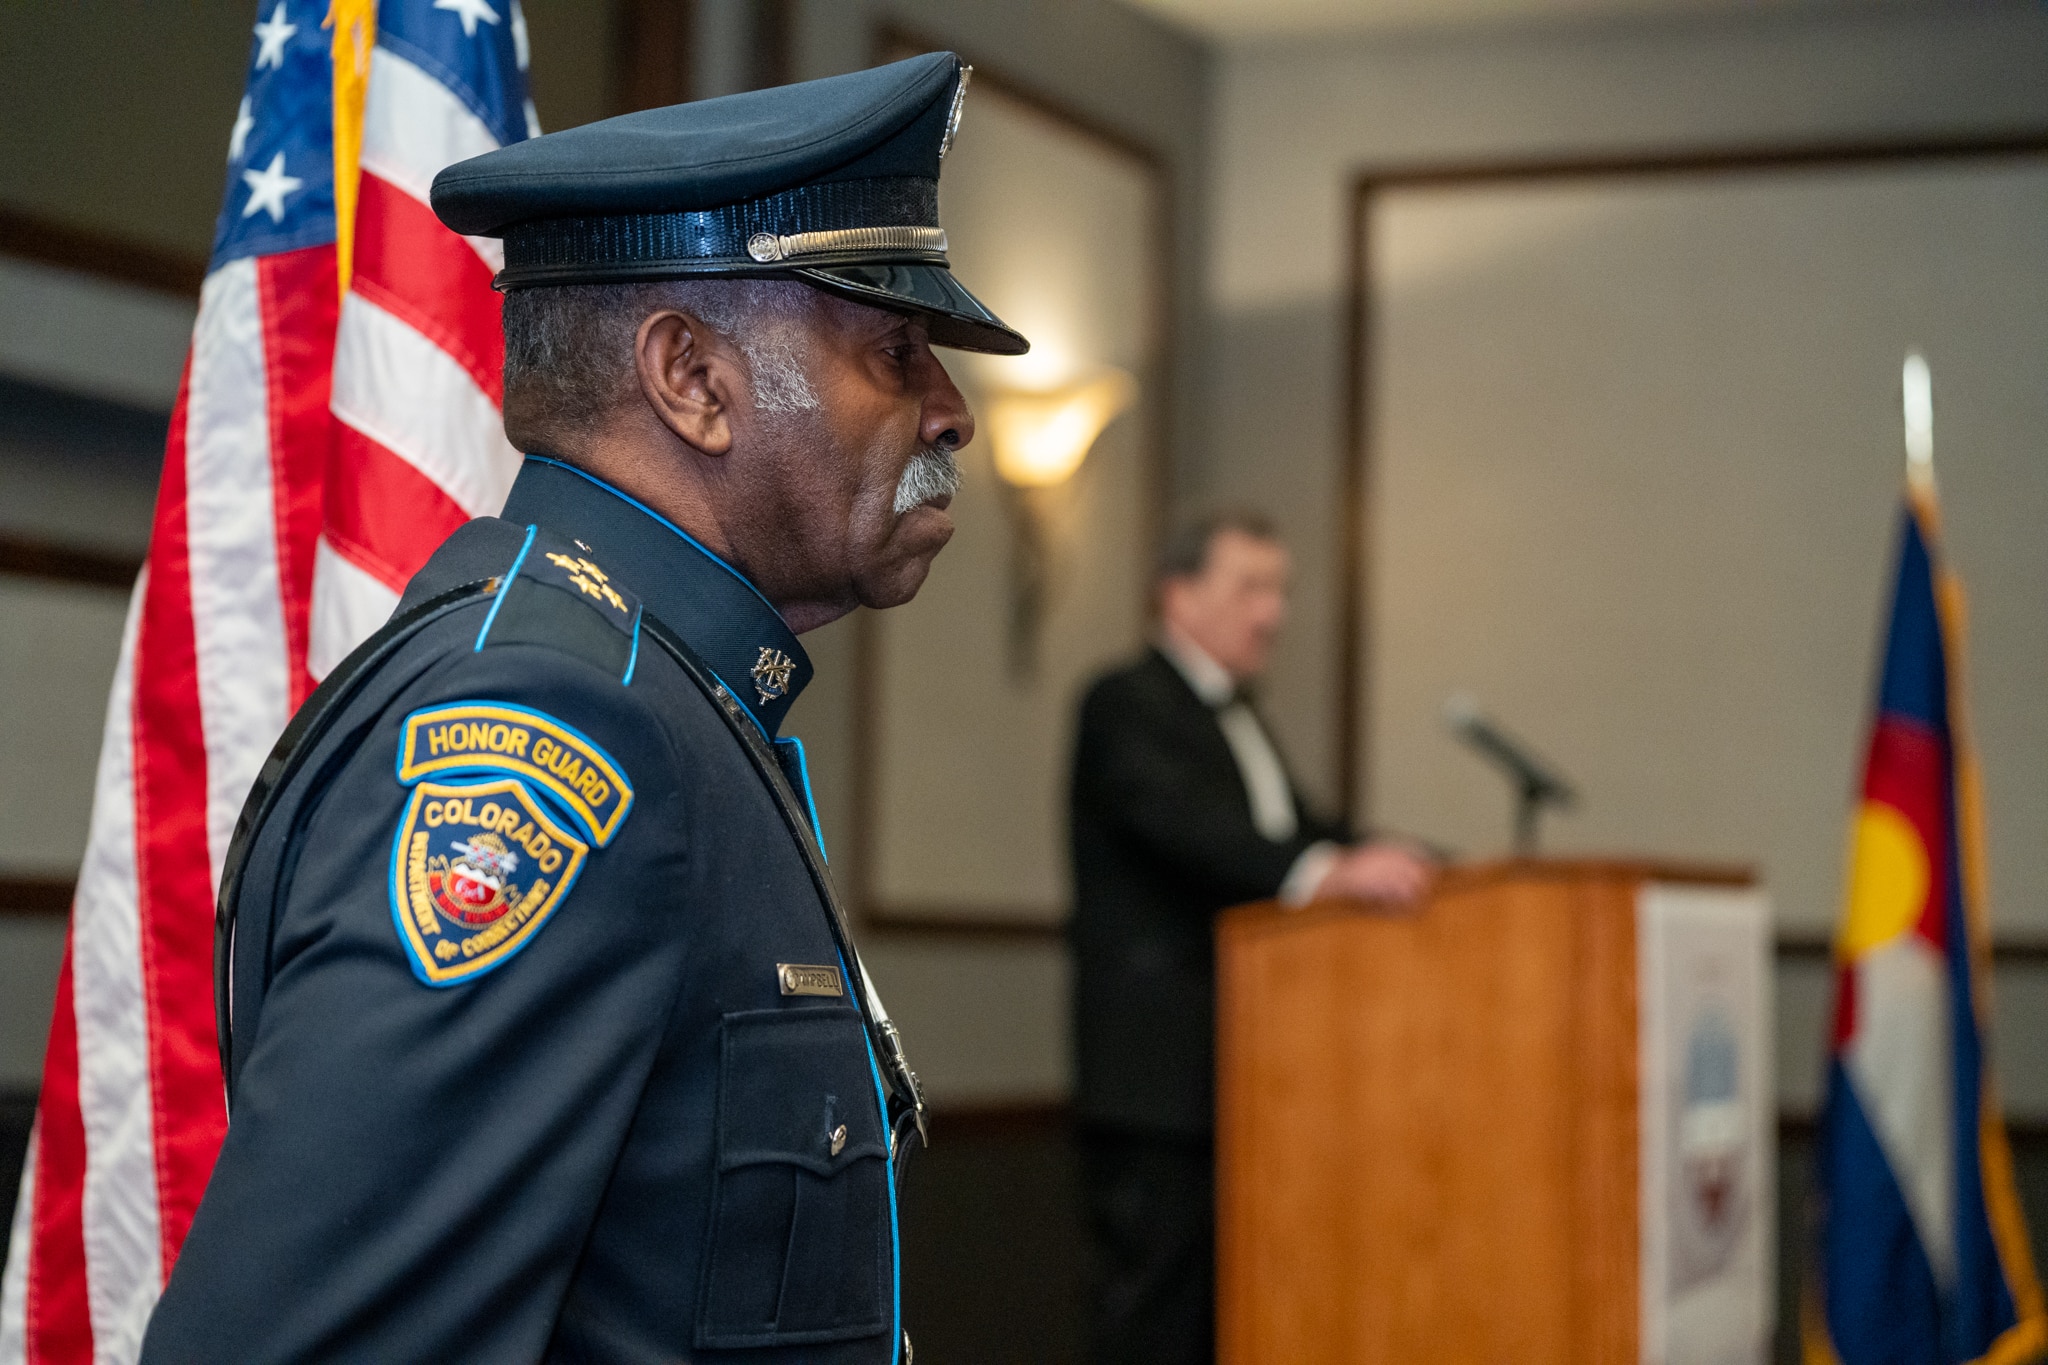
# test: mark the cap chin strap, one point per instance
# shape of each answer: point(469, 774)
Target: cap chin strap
point(768, 246)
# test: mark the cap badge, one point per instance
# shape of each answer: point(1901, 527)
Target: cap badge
point(953, 114)
point(771, 673)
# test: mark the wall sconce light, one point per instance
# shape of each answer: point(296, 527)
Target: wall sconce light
point(1039, 440)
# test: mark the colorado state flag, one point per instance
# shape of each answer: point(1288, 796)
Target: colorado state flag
point(1922, 1248)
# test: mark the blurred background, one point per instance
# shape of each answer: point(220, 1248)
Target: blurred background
point(1561, 338)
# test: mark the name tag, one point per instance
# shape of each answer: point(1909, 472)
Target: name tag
point(797, 979)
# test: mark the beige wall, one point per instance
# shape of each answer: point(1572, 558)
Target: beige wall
point(1052, 229)
point(1294, 122)
point(1276, 279)
point(1637, 475)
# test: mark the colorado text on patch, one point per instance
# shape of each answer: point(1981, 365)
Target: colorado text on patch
point(476, 870)
point(488, 736)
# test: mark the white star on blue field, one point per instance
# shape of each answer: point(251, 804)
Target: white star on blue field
point(280, 166)
point(280, 180)
point(268, 187)
point(469, 11)
point(272, 35)
point(238, 136)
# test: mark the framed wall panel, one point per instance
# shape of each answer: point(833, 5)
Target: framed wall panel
point(1060, 226)
point(92, 340)
point(1626, 462)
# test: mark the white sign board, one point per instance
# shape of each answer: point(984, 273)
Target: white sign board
point(1708, 1125)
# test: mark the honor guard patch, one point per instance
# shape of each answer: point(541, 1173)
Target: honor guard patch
point(485, 736)
point(476, 870)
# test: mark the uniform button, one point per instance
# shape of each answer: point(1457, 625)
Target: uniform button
point(838, 1136)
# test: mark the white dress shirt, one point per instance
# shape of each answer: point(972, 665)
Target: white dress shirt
point(1258, 763)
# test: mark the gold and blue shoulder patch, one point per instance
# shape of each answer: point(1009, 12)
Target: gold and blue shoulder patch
point(486, 736)
point(487, 850)
point(476, 871)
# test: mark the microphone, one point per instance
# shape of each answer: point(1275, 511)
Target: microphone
point(1536, 783)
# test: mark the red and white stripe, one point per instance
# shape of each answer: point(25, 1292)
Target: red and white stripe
point(420, 447)
point(318, 454)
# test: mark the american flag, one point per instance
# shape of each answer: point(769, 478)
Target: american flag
point(338, 417)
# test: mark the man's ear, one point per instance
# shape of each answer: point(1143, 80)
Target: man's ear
point(689, 378)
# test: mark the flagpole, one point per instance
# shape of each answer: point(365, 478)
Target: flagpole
point(2028, 1335)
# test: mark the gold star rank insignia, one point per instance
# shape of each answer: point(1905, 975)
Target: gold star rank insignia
point(588, 578)
point(772, 673)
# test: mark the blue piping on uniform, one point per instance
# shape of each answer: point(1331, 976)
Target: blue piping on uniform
point(694, 542)
point(803, 772)
point(895, 1236)
point(505, 586)
point(633, 659)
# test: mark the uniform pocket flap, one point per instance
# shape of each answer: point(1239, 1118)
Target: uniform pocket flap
point(798, 1249)
point(784, 1096)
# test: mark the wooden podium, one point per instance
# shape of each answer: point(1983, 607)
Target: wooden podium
point(1453, 1136)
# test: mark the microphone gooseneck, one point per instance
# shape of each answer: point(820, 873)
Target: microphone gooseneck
point(1536, 782)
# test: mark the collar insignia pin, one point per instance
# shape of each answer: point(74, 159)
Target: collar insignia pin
point(771, 673)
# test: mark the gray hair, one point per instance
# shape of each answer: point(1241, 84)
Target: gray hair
point(1186, 552)
point(569, 348)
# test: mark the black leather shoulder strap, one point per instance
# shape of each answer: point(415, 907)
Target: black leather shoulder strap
point(906, 1102)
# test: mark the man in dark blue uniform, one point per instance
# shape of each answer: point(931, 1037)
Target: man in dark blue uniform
point(543, 1035)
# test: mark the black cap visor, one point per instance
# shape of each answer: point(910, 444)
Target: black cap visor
point(956, 318)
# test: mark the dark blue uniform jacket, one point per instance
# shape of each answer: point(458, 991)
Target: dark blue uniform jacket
point(516, 1073)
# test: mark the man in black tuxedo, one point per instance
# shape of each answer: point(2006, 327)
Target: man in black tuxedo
point(1181, 807)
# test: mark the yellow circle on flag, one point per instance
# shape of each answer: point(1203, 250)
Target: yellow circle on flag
point(1887, 880)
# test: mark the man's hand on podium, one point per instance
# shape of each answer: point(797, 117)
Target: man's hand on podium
point(1389, 873)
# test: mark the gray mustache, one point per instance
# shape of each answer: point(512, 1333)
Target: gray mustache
point(931, 474)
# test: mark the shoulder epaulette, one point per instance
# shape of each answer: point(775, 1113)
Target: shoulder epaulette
point(557, 593)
